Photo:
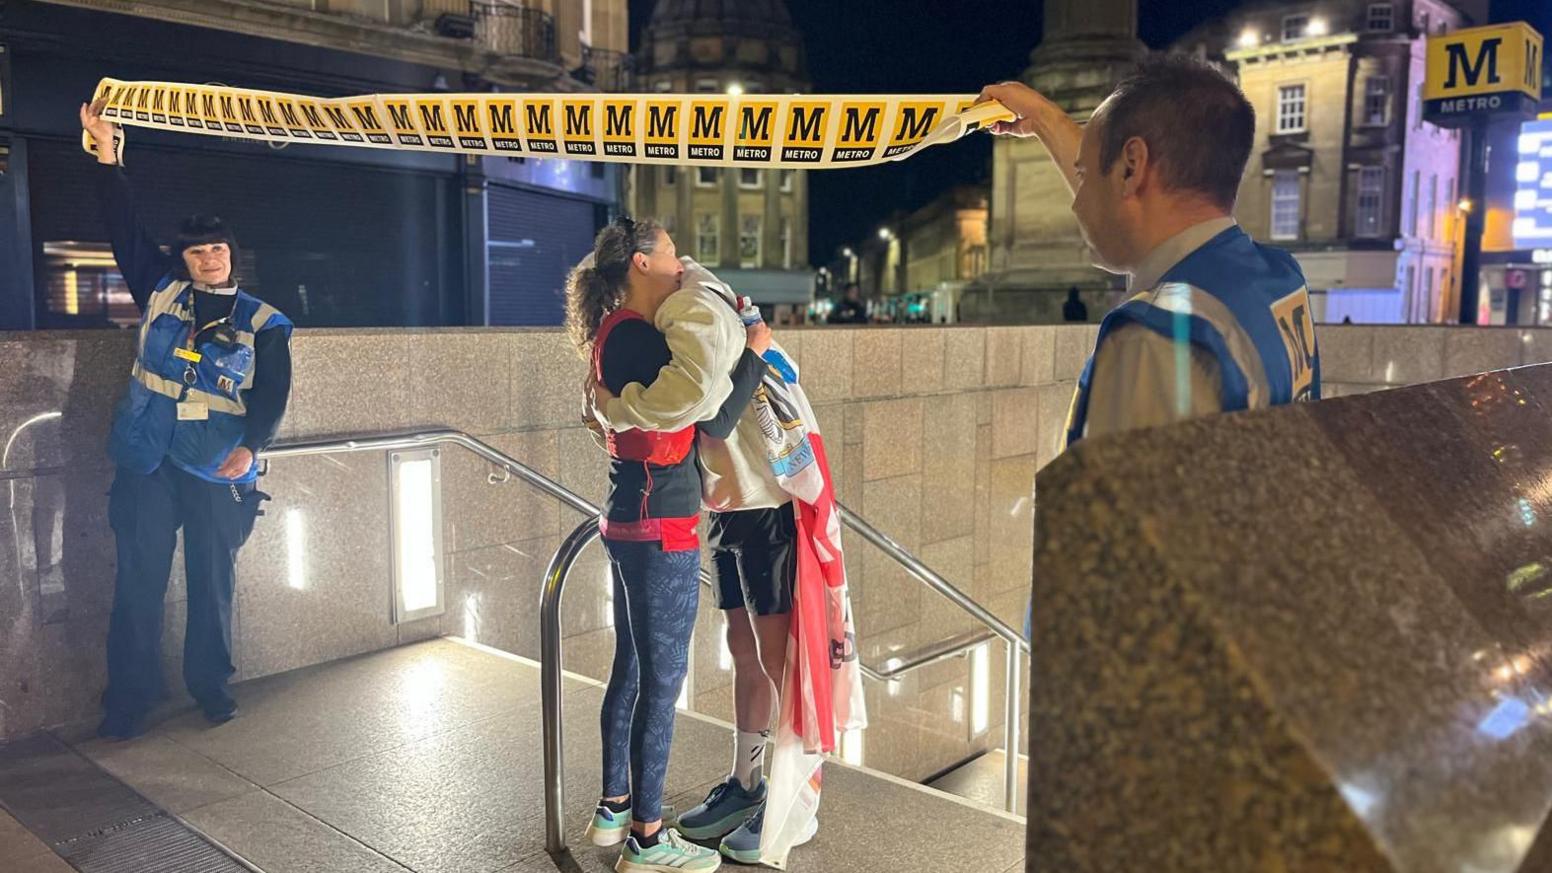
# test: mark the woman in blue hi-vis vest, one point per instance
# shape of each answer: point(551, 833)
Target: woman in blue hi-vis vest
point(1214, 321)
point(209, 385)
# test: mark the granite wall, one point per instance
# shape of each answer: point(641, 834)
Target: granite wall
point(940, 431)
point(1306, 639)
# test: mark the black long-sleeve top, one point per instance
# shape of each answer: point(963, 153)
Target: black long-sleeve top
point(143, 264)
point(635, 352)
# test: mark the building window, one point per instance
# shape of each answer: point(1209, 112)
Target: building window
point(748, 177)
point(1285, 204)
point(1450, 212)
point(784, 239)
point(1425, 305)
point(1433, 205)
point(708, 239)
point(670, 175)
point(1422, 23)
point(1290, 108)
point(749, 241)
point(662, 86)
point(1381, 17)
point(1415, 192)
point(786, 179)
point(975, 262)
point(1295, 27)
point(1409, 291)
point(1371, 193)
point(706, 86)
point(1376, 100)
point(706, 177)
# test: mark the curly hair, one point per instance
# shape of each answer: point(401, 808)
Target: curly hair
point(597, 286)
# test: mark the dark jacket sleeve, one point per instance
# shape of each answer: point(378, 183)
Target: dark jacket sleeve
point(271, 390)
point(635, 352)
point(746, 378)
point(140, 260)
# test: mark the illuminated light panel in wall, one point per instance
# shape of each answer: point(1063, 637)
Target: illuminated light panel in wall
point(415, 486)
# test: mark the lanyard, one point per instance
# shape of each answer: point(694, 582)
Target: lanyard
point(187, 353)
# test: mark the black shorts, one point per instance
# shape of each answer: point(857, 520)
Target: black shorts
point(754, 560)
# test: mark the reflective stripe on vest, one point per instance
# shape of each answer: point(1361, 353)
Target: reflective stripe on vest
point(165, 302)
point(148, 428)
point(170, 388)
point(1246, 304)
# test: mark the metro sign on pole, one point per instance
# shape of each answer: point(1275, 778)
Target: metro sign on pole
point(1482, 71)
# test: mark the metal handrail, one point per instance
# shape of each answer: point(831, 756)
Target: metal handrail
point(551, 656)
point(566, 556)
point(928, 655)
point(434, 437)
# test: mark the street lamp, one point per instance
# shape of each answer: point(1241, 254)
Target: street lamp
point(885, 234)
point(1317, 27)
point(735, 89)
point(1247, 38)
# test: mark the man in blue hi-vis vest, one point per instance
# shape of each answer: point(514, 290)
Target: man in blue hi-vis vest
point(209, 384)
point(1216, 322)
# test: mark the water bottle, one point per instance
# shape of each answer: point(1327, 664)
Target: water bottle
point(750, 315)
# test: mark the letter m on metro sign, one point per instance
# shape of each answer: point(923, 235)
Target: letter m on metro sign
point(1481, 72)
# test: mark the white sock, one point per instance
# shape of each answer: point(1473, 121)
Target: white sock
point(749, 757)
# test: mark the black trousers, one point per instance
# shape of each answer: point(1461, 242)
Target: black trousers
point(146, 512)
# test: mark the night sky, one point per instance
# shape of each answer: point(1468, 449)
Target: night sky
point(945, 46)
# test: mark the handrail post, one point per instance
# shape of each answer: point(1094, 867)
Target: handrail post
point(1012, 704)
point(550, 680)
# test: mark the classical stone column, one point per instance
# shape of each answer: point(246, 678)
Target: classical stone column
point(1036, 252)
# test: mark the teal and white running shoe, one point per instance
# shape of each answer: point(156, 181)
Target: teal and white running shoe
point(743, 845)
point(672, 854)
point(609, 828)
point(724, 809)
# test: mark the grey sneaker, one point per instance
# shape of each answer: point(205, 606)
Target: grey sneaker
point(723, 810)
point(743, 844)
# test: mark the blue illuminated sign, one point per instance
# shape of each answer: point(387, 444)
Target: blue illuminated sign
point(1533, 186)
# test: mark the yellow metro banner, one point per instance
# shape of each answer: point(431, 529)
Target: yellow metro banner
point(1494, 70)
point(764, 130)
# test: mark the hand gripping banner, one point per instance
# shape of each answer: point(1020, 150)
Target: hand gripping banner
point(807, 132)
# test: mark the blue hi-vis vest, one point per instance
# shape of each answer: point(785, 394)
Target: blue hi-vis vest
point(146, 426)
point(1245, 303)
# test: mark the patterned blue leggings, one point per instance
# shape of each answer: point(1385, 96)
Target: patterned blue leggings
point(655, 597)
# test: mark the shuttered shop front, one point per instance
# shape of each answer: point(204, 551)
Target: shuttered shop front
point(330, 244)
point(535, 240)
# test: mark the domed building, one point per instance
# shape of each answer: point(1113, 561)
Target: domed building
point(749, 225)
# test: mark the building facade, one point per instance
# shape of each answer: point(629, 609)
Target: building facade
point(1035, 250)
point(917, 266)
point(1344, 172)
point(333, 236)
point(748, 225)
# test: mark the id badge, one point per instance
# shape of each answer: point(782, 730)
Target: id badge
point(188, 410)
point(187, 354)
